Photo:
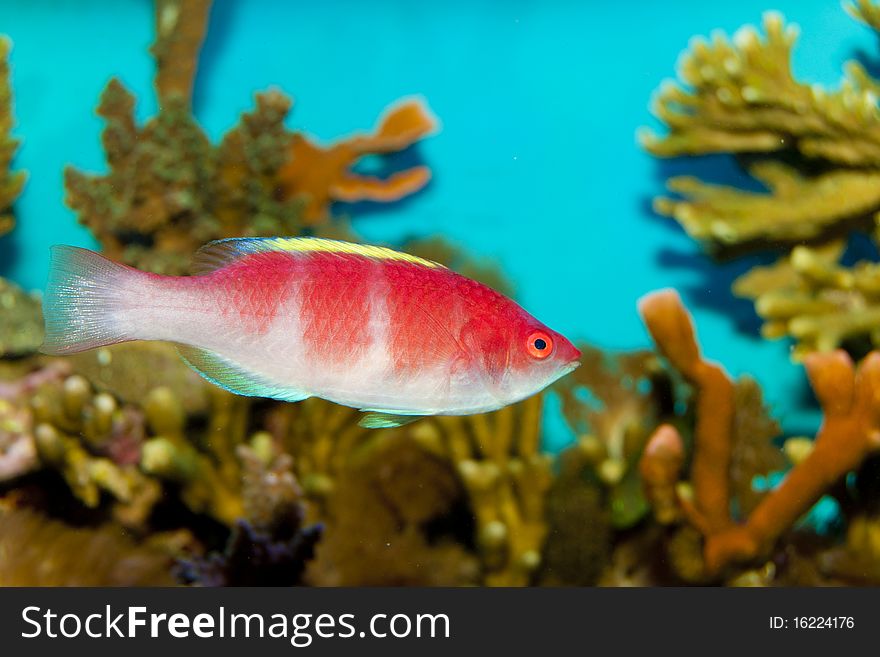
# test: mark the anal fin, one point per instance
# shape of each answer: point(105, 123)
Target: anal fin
point(231, 376)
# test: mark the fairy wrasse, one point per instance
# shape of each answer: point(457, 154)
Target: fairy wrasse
point(289, 318)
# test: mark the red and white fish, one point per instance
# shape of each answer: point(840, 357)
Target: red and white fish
point(389, 333)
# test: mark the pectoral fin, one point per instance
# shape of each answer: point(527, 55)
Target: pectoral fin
point(231, 376)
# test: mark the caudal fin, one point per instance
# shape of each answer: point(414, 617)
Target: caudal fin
point(83, 291)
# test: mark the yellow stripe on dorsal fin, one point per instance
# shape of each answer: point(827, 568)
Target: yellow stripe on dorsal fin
point(220, 253)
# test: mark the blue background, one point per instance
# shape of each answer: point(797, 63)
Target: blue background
point(536, 164)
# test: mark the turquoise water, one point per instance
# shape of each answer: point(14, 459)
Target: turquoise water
point(536, 164)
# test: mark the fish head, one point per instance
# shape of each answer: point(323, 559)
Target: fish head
point(538, 357)
point(520, 356)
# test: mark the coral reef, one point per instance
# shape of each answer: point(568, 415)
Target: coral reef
point(11, 183)
point(38, 551)
point(169, 189)
point(848, 396)
point(383, 520)
point(818, 302)
point(612, 403)
point(269, 546)
point(21, 321)
point(506, 476)
point(110, 476)
point(816, 152)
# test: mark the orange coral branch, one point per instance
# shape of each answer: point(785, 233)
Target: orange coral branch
point(323, 175)
point(672, 330)
point(850, 432)
point(850, 400)
point(660, 469)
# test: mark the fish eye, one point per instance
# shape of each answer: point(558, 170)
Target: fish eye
point(539, 345)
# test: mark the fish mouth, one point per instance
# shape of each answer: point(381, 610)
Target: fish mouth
point(570, 367)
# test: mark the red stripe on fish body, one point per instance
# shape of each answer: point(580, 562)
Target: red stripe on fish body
point(429, 309)
point(347, 303)
point(336, 300)
point(250, 291)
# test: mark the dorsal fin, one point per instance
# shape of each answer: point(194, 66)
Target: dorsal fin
point(220, 253)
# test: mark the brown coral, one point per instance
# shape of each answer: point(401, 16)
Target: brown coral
point(378, 516)
point(38, 551)
point(169, 189)
point(11, 183)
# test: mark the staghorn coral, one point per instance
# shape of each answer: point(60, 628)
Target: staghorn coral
point(849, 434)
point(11, 183)
point(169, 189)
point(208, 478)
point(38, 551)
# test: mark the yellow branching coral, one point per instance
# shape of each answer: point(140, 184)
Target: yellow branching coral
point(741, 97)
point(820, 303)
point(506, 476)
point(92, 441)
point(797, 207)
point(817, 153)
